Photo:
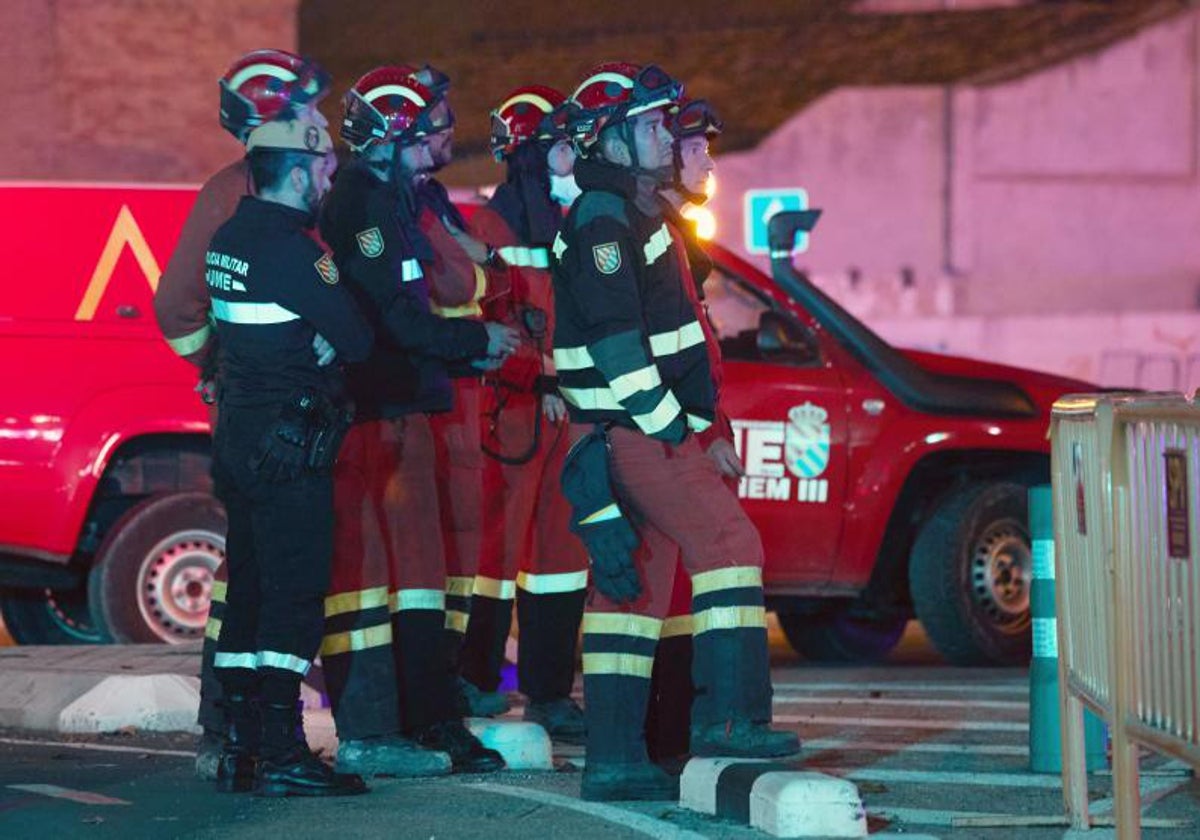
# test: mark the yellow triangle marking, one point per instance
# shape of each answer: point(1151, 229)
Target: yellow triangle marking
point(125, 231)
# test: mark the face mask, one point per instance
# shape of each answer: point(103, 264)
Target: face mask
point(563, 189)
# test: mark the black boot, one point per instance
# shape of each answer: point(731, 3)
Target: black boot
point(618, 767)
point(239, 754)
point(288, 767)
point(669, 717)
point(731, 715)
point(487, 634)
point(467, 753)
point(546, 662)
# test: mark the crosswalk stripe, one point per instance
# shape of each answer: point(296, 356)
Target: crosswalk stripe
point(85, 797)
point(923, 747)
point(793, 699)
point(905, 723)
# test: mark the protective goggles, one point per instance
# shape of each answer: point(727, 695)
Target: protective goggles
point(696, 118)
point(652, 88)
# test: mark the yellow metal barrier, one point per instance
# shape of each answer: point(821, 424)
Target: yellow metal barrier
point(1124, 472)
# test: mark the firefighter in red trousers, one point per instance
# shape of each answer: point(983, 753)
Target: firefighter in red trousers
point(458, 282)
point(260, 87)
point(386, 667)
point(692, 123)
point(631, 361)
point(528, 550)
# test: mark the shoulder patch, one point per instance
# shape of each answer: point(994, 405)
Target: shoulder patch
point(370, 242)
point(608, 257)
point(327, 269)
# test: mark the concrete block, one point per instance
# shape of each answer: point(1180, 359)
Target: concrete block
point(776, 798)
point(34, 699)
point(804, 804)
point(157, 703)
point(525, 746)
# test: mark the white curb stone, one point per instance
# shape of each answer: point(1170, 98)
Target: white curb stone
point(155, 703)
point(773, 797)
point(525, 746)
point(807, 805)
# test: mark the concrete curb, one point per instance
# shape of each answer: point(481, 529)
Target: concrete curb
point(773, 797)
point(525, 746)
point(153, 703)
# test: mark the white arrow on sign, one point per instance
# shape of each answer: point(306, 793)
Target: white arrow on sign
point(776, 206)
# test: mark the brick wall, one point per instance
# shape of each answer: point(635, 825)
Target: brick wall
point(125, 89)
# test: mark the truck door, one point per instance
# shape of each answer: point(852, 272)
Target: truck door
point(788, 409)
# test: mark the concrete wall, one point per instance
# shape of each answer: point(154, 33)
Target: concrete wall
point(125, 89)
point(1074, 188)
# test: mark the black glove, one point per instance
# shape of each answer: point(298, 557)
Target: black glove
point(282, 454)
point(597, 519)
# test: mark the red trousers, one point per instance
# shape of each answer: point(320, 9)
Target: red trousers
point(681, 506)
point(526, 517)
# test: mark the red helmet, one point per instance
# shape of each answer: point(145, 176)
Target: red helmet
point(694, 118)
point(267, 85)
point(528, 113)
point(614, 92)
point(387, 105)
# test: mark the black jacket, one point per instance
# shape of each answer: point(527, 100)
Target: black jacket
point(371, 228)
point(272, 289)
point(627, 346)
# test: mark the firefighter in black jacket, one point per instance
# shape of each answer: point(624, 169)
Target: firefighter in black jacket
point(282, 417)
point(387, 667)
point(631, 359)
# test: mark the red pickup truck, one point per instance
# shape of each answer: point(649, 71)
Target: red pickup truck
point(885, 483)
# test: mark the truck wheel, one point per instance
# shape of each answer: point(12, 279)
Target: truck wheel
point(153, 575)
point(49, 617)
point(839, 637)
point(970, 572)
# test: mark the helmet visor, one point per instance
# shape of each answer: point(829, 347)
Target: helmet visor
point(696, 118)
point(363, 123)
point(653, 88)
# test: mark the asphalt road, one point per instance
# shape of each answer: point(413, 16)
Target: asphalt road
point(928, 746)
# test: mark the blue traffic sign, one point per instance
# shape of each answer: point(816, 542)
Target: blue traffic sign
point(758, 206)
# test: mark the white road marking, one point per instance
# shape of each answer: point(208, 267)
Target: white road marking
point(97, 747)
point(905, 723)
point(84, 796)
point(629, 819)
point(921, 702)
point(901, 747)
point(919, 687)
point(944, 777)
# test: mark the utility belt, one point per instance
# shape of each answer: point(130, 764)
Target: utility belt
point(305, 437)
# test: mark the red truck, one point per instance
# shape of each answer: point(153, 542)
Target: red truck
point(885, 483)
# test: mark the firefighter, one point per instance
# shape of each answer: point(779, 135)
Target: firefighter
point(258, 87)
point(391, 684)
point(693, 124)
point(282, 418)
point(458, 282)
point(630, 359)
point(528, 550)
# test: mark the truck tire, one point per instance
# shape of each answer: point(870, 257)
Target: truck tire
point(49, 617)
point(841, 638)
point(153, 574)
point(970, 573)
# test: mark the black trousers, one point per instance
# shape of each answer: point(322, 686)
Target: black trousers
point(278, 554)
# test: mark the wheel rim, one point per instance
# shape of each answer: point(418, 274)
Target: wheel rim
point(175, 584)
point(1001, 564)
point(68, 611)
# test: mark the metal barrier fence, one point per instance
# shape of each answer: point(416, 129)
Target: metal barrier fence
point(1124, 471)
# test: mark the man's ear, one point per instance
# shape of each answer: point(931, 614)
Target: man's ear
point(614, 148)
point(300, 178)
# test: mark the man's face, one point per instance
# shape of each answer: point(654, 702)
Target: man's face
point(441, 143)
point(417, 157)
point(561, 158)
point(697, 164)
point(651, 139)
point(320, 178)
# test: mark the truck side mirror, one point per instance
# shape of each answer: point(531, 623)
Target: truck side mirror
point(782, 340)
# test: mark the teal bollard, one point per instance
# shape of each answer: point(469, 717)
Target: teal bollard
point(1045, 739)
